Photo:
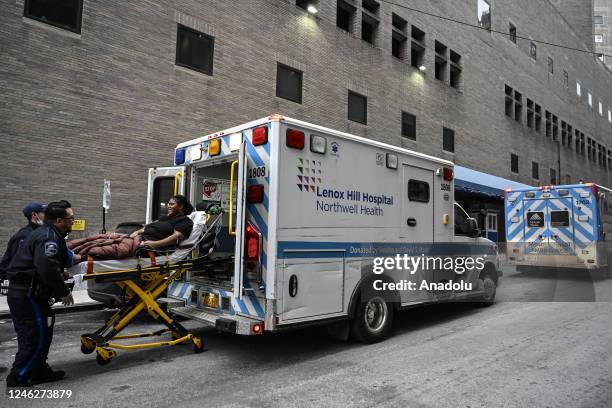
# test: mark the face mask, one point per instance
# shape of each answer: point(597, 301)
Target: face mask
point(38, 222)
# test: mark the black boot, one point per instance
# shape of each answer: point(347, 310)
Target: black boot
point(47, 374)
point(12, 381)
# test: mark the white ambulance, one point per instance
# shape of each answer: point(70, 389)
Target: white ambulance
point(308, 210)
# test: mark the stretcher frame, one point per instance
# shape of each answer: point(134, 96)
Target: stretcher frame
point(155, 280)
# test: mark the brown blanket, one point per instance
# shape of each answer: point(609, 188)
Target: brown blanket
point(105, 246)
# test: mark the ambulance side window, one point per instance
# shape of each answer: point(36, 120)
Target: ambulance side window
point(461, 222)
point(418, 191)
point(163, 189)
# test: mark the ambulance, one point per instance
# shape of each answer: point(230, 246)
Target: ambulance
point(562, 226)
point(306, 212)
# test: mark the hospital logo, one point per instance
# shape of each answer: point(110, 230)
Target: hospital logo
point(335, 149)
point(308, 174)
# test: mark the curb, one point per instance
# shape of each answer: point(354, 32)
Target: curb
point(82, 307)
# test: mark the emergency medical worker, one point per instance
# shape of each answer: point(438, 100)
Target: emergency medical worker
point(35, 276)
point(35, 213)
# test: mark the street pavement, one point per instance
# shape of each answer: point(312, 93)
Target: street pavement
point(516, 353)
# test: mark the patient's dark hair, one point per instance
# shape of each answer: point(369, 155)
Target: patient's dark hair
point(56, 209)
point(184, 202)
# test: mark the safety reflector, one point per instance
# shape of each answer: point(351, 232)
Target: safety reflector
point(583, 218)
point(295, 139)
point(448, 174)
point(318, 144)
point(179, 156)
point(214, 147)
point(260, 135)
point(255, 193)
point(252, 244)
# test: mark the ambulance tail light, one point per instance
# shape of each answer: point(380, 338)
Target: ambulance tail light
point(253, 243)
point(295, 139)
point(255, 193)
point(448, 174)
point(257, 328)
point(260, 136)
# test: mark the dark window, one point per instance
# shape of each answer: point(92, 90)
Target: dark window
point(598, 20)
point(462, 226)
point(441, 61)
point(371, 6)
point(303, 3)
point(553, 176)
point(551, 66)
point(418, 191)
point(417, 48)
point(60, 13)
point(368, 29)
point(448, 140)
point(533, 51)
point(535, 170)
point(345, 15)
point(409, 125)
point(559, 219)
point(514, 164)
point(565, 79)
point(455, 69)
point(194, 50)
point(163, 189)
point(357, 107)
point(288, 83)
point(398, 37)
point(512, 33)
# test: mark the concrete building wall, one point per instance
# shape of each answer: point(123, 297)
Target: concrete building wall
point(110, 102)
point(579, 15)
point(603, 8)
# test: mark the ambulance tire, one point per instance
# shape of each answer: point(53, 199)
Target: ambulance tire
point(373, 320)
point(490, 285)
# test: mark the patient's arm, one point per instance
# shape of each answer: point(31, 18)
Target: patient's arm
point(136, 233)
point(173, 239)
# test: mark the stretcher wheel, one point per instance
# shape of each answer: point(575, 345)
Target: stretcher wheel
point(104, 356)
point(198, 345)
point(86, 350)
point(101, 360)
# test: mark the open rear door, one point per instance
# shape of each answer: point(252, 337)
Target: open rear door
point(163, 183)
point(237, 225)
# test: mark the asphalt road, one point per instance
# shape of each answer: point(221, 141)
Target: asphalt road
point(512, 354)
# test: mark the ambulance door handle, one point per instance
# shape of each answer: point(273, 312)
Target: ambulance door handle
point(411, 222)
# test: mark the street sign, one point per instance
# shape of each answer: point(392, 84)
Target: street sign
point(106, 195)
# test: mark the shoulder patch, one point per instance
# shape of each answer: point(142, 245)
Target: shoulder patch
point(50, 248)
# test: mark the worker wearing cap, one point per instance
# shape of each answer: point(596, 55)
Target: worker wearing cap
point(35, 213)
point(35, 276)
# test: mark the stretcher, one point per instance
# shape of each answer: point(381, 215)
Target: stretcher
point(144, 280)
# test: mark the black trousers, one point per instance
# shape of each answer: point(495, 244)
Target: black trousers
point(33, 320)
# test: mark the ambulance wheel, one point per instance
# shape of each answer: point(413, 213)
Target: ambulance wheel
point(489, 286)
point(198, 345)
point(373, 320)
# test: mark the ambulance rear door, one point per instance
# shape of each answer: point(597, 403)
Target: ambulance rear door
point(163, 183)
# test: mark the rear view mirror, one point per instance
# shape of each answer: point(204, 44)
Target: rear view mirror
point(474, 231)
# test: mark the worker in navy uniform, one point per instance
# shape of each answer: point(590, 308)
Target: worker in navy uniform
point(35, 213)
point(35, 277)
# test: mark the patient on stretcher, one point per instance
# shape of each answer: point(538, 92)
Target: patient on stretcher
point(163, 234)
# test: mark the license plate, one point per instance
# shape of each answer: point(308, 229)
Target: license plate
point(211, 300)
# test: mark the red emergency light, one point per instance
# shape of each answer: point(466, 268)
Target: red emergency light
point(295, 139)
point(260, 135)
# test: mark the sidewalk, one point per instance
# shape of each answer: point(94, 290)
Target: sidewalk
point(81, 301)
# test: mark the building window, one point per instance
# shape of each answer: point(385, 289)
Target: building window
point(578, 89)
point(289, 83)
point(417, 48)
point(601, 57)
point(610, 116)
point(598, 38)
point(565, 79)
point(553, 176)
point(512, 32)
point(484, 14)
point(194, 50)
point(455, 70)
point(530, 114)
point(369, 21)
point(563, 132)
point(345, 16)
point(590, 97)
point(514, 164)
point(398, 37)
point(441, 62)
point(357, 108)
point(568, 179)
point(518, 106)
point(64, 14)
point(448, 140)
point(597, 19)
point(551, 66)
point(570, 133)
point(533, 51)
point(600, 109)
point(409, 125)
point(509, 98)
point(555, 129)
point(538, 118)
point(535, 171)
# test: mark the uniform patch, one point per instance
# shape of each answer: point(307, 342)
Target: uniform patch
point(50, 248)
